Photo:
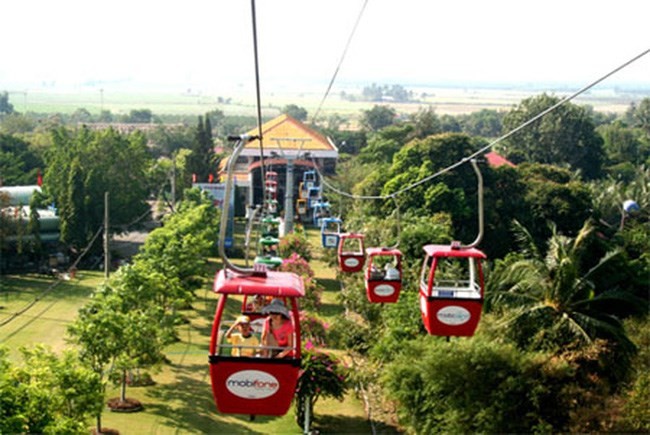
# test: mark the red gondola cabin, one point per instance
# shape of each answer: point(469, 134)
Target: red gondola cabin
point(383, 275)
point(351, 252)
point(451, 290)
point(254, 385)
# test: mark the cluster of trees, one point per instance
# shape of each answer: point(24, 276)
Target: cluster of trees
point(567, 283)
point(124, 327)
point(375, 92)
point(566, 300)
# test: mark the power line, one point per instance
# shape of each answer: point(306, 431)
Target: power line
point(494, 142)
point(336, 71)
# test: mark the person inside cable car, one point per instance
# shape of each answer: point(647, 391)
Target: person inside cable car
point(277, 333)
point(375, 273)
point(392, 273)
point(244, 342)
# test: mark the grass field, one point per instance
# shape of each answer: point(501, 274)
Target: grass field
point(181, 400)
point(448, 100)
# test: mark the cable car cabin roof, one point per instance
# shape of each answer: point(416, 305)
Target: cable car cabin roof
point(383, 251)
point(448, 251)
point(273, 284)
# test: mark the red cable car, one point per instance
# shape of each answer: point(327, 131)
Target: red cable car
point(383, 274)
point(271, 189)
point(351, 252)
point(271, 176)
point(251, 384)
point(451, 290)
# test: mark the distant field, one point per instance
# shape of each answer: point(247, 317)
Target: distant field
point(452, 101)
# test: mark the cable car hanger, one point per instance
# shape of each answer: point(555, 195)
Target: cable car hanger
point(239, 146)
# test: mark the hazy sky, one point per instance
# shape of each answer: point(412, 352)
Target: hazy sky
point(208, 44)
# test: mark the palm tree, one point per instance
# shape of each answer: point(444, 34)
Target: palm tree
point(548, 302)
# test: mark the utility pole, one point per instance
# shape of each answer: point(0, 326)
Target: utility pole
point(107, 253)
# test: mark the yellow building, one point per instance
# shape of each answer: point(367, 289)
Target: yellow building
point(284, 140)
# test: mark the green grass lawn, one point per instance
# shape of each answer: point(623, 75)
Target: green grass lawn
point(181, 400)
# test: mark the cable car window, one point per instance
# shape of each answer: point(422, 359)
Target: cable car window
point(426, 268)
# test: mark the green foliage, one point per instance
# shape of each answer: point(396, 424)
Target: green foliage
point(139, 116)
point(202, 160)
point(178, 249)
point(19, 163)
point(5, 106)
point(552, 195)
point(296, 112)
point(485, 123)
point(476, 386)
point(383, 144)
point(636, 413)
point(48, 393)
point(377, 118)
point(295, 243)
point(82, 166)
point(548, 299)
point(313, 291)
point(322, 376)
point(565, 136)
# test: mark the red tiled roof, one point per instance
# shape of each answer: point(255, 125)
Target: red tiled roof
point(497, 160)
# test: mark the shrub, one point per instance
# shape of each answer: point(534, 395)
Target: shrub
point(322, 376)
point(313, 291)
point(475, 386)
point(295, 243)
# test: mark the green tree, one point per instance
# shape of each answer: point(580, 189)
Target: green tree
point(139, 116)
point(377, 118)
point(385, 143)
point(19, 162)
point(621, 144)
point(639, 116)
point(16, 123)
point(296, 112)
point(5, 106)
point(202, 162)
point(485, 122)
point(178, 249)
point(565, 136)
point(82, 166)
point(553, 194)
point(551, 303)
point(425, 122)
point(48, 393)
point(478, 386)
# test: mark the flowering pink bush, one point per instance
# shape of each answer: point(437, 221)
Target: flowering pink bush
point(313, 330)
point(295, 243)
point(313, 292)
point(322, 376)
point(296, 264)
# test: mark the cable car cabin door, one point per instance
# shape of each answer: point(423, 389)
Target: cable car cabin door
point(254, 385)
point(451, 305)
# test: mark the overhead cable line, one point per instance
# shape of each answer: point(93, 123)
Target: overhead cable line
point(491, 144)
point(257, 88)
point(49, 288)
point(338, 67)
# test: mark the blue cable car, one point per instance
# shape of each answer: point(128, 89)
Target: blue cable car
point(330, 231)
point(320, 211)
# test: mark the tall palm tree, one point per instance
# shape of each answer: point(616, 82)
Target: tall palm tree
point(549, 302)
